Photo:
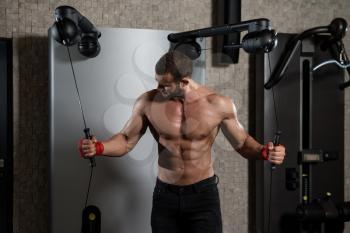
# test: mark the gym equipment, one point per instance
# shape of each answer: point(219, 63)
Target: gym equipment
point(324, 211)
point(72, 28)
point(91, 220)
point(311, 112)
point(259, 39)
point(333, 61)
point(336, 31)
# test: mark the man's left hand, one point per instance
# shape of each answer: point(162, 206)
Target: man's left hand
point(276, 153)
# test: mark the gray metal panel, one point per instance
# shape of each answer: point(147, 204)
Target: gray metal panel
point(109, 84)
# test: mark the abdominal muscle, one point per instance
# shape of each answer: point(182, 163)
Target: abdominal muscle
point(183, 162)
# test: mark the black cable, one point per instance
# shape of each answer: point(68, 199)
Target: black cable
point(88, 190)
point(76, 88)
point(273, 97)
point(275, 107)
point(269, 213)
point(272, 167)
point(82, 113)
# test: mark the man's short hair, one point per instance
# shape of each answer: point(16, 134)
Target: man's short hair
point(175, 63)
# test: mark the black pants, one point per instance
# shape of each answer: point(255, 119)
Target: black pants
point(187, 209)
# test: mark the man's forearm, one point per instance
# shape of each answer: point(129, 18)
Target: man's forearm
point(251, 149)
point(116, 145)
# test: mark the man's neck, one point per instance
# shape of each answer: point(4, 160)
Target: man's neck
point(191, 92)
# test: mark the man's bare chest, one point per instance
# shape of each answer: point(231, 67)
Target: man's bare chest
point(174, 119)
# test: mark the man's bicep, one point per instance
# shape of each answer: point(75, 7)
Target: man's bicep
point(234, 132)
point(136, 126)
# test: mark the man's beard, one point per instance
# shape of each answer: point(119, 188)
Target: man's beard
point(177, 93)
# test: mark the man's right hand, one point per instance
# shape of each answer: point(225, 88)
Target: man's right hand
point(89, 148)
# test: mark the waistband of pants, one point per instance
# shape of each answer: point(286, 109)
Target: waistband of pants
point(192, 188)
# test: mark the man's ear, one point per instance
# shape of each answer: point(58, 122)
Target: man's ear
point(185, 81)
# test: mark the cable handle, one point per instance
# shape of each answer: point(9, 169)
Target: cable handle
point(88, 136)
point(276, 142)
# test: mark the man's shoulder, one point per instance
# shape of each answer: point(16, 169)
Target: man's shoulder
point(143, 100)
point(147, 96)
point(218, 100)
point(221, 103)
